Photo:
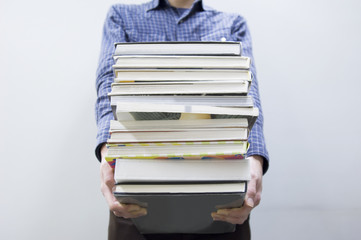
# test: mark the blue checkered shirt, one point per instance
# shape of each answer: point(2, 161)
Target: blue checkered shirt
point(158, 21)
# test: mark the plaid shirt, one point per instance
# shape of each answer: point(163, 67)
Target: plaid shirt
point(158, 21)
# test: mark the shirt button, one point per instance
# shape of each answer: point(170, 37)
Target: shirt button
point(181, 21)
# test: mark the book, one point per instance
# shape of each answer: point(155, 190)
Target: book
point(178, 48)
point(210, 100)
point(250, 114)
point(162, 61)
point(154, 75)
point(176, 171)
point(178, 124)
point(182, 208)
point(180, 88)
point(220, 150)
point(211, 134)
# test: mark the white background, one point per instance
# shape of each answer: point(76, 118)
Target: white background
point(308, 59)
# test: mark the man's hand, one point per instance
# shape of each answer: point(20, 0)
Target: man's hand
point(107, 184)
point(252, 199)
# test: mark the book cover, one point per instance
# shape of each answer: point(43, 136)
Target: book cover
point(250, 114)
point(222, 100)
point(182, 208)
point(180, 88)
point(173, 171)
point(154, 75)
point(217, 101)
point(178, 48)
point(176, 61)
point(178, 124)
point(211, 134)
point(223, 150)
point(178, 149)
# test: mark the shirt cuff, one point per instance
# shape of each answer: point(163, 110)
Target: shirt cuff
point(98, 151)
point(265, 165)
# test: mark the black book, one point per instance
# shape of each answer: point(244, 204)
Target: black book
point(182, 208)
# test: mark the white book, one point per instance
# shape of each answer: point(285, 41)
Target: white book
point(127, 75)
point(178, 124)
point(144, 61)
point(153, 107)
point(162, 171)
point(220, 101)
point(224, 134)
point(224, 100)
point(179, 150)
point(180, 88)
point(250, 114)
point(178, 48)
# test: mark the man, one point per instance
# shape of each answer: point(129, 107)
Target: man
point(173, 20)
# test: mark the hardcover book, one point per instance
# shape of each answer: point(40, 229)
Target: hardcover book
point(162, 61)
point(210, 134)
point(178, 48)
point(182, 207)
point(191, 171)
point(147, 88)
point(208, 100)
point(224, 150)
point(250, 114)
point(154, 75)
point(178, 124)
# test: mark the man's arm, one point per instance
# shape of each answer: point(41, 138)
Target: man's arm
point(112, 32)
point(257, 152)
point(256, 138)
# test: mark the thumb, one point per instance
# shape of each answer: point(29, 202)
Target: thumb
point(251, 193)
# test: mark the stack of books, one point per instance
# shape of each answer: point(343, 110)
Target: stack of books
point(179, 139)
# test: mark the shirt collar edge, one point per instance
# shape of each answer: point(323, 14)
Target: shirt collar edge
point(157, 3)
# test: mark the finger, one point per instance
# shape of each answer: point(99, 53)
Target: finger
point(251, 192)
point(241, 212)
point(134, 210)
point(234, 215)
point(254, 187)
point(134, 214)
point(239, 219)
point(254, 191)
point(119, 210)
point(131, 207)
point(232, 220)
point(139, 213)
point(257, 199)
point(117, 214)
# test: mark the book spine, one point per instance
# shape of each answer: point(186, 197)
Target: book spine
point(181, 156)
point(218, 155)
point(109, 145)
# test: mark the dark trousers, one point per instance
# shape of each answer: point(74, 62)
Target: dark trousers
point(124, 229)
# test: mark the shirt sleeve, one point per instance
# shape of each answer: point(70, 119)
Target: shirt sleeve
point(240, 32)
point(113, 31)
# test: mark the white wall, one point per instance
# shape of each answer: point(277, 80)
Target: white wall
point(307, 55)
